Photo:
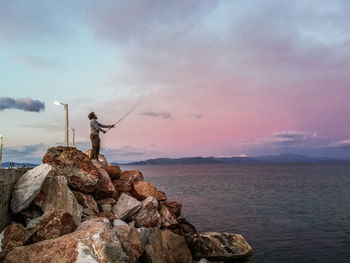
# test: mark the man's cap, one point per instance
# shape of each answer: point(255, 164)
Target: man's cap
point(91, 115)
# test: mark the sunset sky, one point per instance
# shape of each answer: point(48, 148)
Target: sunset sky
point(215, 78)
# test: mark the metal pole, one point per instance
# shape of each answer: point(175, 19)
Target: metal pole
point(1, 143)
point(67, 125)
point(73, 137)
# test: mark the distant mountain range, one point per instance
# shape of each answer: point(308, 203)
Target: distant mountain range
point(18, 165)
point(283, 158)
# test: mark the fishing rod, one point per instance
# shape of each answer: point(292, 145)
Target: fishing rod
point(130, 111)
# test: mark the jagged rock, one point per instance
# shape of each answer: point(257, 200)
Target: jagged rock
point(113, 171)
point(183, 228)
point(28, 187)
point(51, 225)
point(148, 215)
point(118, 222)
point(81, 174)
point(94, 241)
point(173, 207)
point(31, 212)
point(104, 187)
point(109, 201)
point(55, 195)
point(131, 176)
point(12, 236)
point(176, 248)
point(151, 240)
point(130, 241)
point(122, 185)
point(141, 190)
point(126, 207)
point(86, 200)
point(101, 158)
point(225, 247)
point(87, 211)
point(106, 207)
point(168, 219)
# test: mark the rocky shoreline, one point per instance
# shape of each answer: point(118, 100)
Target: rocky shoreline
point(71, 209)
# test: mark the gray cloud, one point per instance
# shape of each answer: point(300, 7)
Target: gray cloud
point(25, 104)
point(160, 114)
point(25, 153)
point(288, 138)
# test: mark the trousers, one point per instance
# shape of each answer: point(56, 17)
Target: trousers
point(95, 149)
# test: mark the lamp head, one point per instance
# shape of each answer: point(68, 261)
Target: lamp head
point(57, 102)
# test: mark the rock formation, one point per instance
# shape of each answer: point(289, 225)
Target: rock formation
point(72, 209)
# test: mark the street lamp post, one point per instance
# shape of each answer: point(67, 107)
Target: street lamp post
point(67, 124)
point(1, 143)
point(73, 136)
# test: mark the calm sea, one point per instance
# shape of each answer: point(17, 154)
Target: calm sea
point(287, 212)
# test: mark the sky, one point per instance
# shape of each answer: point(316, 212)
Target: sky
point(209, 78)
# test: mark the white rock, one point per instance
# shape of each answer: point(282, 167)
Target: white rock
point(126, 206)
point(118, 222)
point(28, 187)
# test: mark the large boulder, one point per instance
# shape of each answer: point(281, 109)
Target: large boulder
point(130, 240)
point(51, 225)
point(225, 247)
point(55, 194)
point(76, 166)
point(141, 190)
point(28, 187)
point(126, 207)
point(12, 236)
point(176, 248)
point(94, 241)
point(155, 252)
point(163, 247)
point(148, 215)
point(114, 171)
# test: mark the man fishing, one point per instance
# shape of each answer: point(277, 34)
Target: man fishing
point(95, 128)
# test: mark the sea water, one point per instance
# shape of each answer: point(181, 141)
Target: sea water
point(286, 212)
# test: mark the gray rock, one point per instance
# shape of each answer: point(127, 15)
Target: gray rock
point(225, 247)
point(106, 207)
point(126, 207)
point(55, 194)
point(175, 248)
point(28, 187)
point(130, 240)
point(155, 252)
